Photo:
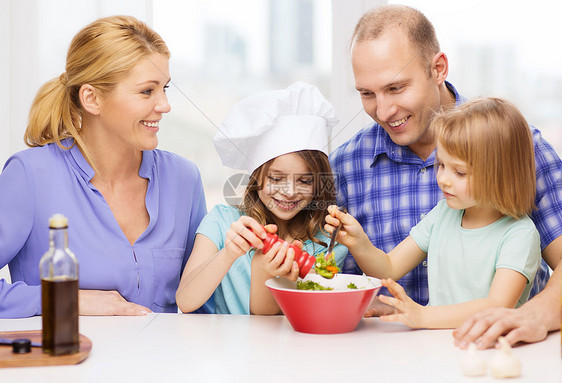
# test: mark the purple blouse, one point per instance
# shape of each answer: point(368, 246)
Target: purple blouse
point(39, 182)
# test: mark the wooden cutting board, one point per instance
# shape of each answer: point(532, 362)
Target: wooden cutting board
point(36, 356)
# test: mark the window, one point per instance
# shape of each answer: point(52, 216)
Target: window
point(223, 51)
point(505, 49)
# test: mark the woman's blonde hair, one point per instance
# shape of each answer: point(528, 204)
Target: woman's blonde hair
point(495, 141)
point(99, 55)
point(310, 220)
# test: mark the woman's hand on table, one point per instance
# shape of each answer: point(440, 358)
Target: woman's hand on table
point(486, 327)
point(100, 302)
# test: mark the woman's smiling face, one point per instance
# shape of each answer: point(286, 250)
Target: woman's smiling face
point(132, 111)
point(288, 186)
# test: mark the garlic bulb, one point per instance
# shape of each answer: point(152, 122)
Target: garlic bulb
point(473, 364)
point(504, 363)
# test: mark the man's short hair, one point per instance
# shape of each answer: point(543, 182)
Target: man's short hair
point(412, 22)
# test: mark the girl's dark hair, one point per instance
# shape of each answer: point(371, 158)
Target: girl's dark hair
point(310, 220)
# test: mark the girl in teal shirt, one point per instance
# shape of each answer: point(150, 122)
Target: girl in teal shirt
point(281, 138)
point(482, 249)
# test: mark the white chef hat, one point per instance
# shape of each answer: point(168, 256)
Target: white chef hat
point(269, 124)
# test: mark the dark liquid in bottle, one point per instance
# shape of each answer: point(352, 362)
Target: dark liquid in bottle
point(60, 316)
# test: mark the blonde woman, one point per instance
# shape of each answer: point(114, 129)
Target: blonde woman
point(132, 209)
point(482, 249)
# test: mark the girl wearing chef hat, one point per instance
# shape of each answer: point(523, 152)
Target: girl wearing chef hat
point(281, 138)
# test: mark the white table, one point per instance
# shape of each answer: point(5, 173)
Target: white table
point(230, 348)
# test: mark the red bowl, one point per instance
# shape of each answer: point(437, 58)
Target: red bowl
point(326, 311)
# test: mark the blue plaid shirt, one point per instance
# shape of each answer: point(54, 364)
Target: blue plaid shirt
point(389, 189)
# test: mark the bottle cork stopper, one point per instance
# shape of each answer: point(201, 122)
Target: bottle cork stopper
point(58, 221)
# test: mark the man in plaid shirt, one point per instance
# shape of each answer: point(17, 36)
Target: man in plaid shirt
point(385, 174)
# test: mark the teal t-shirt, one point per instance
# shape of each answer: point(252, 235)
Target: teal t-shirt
point(461, 263)
point(232, 296)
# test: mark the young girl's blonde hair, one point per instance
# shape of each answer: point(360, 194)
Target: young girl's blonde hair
point(100, 55)
point(495, 141)
point(310, 220)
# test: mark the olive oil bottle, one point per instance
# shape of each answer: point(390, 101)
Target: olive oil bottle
point(58, 269)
